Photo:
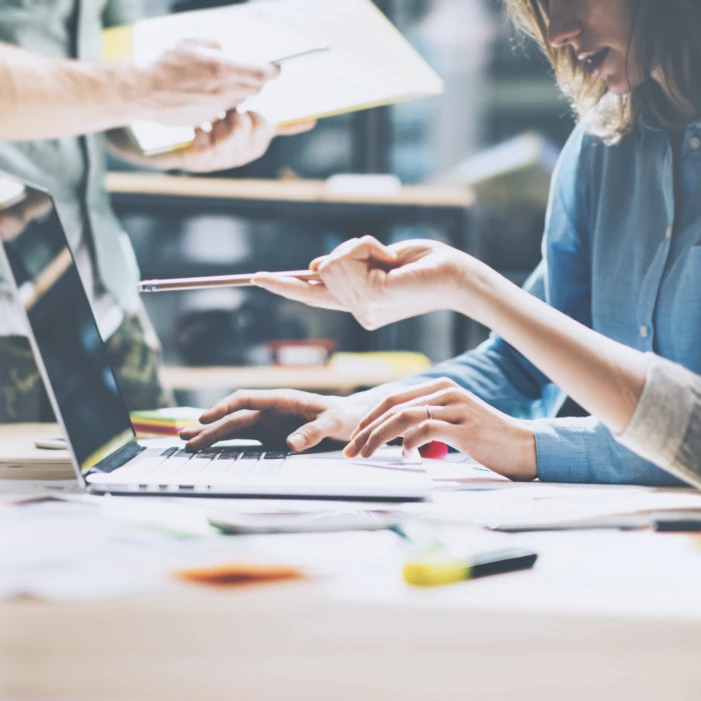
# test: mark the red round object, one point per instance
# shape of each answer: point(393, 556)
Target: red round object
point(435, 450)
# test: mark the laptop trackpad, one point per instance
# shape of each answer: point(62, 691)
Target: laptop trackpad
point(386, 467)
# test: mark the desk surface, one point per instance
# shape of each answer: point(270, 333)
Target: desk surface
point(603, 615)
point(301, 191)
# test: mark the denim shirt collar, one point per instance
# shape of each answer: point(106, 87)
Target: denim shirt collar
point(647, 120)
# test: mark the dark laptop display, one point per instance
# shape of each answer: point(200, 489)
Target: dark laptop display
point(66, 341)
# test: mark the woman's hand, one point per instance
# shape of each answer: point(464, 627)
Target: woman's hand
point(379, 284)
point(278, 417)
point(442, 411)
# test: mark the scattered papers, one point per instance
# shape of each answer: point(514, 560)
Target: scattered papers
point(58, 550)
point(536, 506)
point(17, 490)
point(446, 473)
point(92, 548)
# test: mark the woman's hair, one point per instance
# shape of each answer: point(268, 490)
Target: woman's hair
point(670, 38)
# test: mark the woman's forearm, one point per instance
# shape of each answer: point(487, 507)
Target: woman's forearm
point(603, 376)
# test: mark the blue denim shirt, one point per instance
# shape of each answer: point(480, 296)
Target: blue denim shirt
point(623, 257)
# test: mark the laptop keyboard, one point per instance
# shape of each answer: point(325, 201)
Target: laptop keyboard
point(217, 464)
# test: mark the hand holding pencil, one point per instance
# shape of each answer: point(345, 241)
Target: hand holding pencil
point(381, 284)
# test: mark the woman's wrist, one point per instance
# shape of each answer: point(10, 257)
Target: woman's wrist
point(479, 289)
point(527, 464)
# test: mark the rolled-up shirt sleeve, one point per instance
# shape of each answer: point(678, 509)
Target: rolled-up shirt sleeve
point(666, 425)
point(119, 12)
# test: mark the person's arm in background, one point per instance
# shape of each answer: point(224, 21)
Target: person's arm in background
point(234, 140)
point(44, 98)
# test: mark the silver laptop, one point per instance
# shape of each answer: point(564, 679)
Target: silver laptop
point(107, 457)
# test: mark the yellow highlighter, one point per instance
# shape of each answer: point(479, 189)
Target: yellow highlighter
point(437, 567)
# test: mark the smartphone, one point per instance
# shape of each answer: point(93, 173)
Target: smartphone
point(301, 522)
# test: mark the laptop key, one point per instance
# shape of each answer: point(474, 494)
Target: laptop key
point(229, 455)
point(216, 470)
point(173, 465)
point(193, 467)
point(267, 470)
point(240, 471)
point(132, 471)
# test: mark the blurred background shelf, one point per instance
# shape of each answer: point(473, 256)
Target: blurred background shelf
point(149, 186)
point(326, 380)
point(194, 226)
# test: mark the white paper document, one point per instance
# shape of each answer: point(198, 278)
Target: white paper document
point(542, 506)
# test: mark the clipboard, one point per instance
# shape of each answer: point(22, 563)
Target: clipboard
point(368, 63)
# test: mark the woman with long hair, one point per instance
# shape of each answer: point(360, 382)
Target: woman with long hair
point(621, 257)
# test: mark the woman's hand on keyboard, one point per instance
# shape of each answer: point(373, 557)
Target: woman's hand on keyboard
point(299, 419)
point(440, 410)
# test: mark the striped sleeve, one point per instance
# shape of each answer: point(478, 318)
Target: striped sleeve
point(666, 425)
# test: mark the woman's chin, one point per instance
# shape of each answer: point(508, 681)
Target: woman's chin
point(617, 86)
point(620, 84)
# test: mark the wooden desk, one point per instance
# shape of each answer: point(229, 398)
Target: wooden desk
point(573, 629)
point(298, 642)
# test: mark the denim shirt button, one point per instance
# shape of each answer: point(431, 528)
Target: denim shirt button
point(644, 331)
point(695, 143)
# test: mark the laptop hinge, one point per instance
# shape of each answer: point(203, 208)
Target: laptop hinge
point(118, 459)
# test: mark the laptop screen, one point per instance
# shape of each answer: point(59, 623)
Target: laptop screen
point(62, 327)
